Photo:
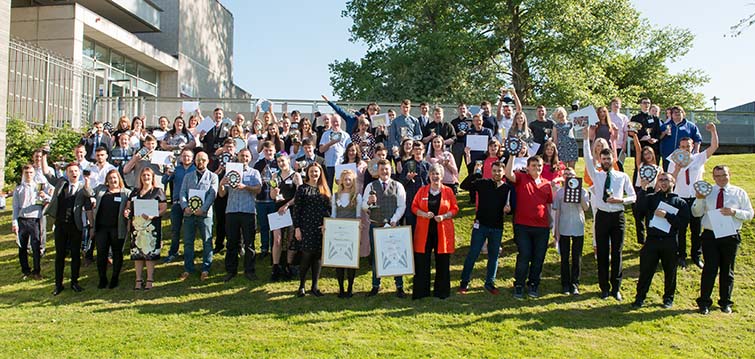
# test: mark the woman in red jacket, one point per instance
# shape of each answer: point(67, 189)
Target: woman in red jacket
point(435, 206)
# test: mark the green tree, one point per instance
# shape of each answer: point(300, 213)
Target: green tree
point(552, 51)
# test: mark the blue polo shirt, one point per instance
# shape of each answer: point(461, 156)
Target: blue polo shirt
point(685, 129)
point(178, 177)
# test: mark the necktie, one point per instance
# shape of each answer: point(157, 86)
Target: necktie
point(720, 199)
point(384, 185)
point(686, 175)
point(607, 186)
point(97, 141)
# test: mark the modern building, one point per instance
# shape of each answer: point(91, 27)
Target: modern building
point(65, 54)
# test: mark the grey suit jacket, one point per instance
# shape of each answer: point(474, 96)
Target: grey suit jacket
point(82, 197)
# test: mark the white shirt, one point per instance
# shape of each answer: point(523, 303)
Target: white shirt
point(620, 185)
point(504, 123)
point(621, 121)
point(98, 175)
point(696, 168)
point(400, 197)
point(734, 198)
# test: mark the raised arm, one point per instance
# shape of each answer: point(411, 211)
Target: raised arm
point(509, 172)
point(587, 152)
point(713, 140)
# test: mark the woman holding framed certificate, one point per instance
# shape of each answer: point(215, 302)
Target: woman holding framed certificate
point(312, 205)
point(435, 206)
point(346, 203)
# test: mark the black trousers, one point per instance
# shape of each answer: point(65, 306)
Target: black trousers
point(657, 249)
point(239, 226)
point(67, 236)
point(29, 234)
point(609, 236)
point(695, 227)
point(719, 255)
point(218, 207)
point(106, 239)
point(639, 220)
point(422, 265)
point(570, 247)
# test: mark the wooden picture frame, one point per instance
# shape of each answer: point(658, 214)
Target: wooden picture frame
point(340, 243)
point(394, 253)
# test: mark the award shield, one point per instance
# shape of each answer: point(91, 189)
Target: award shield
point(234, 179)
point(195, 203)
point(464, 126)
point(573, 190)
point(513, 145)
point(411, 166)
point(681, 158)
point(336, 136)
point(704, 188)
point(648, 173)
point(225, 158)
point(372, 167)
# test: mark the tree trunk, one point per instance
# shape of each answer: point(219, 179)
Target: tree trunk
point(520, 72)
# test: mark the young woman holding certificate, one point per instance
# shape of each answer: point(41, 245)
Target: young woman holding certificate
point(346, 203)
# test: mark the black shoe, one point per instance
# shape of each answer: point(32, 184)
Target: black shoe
point(300, 293)
point(519, 292)
point(726, 309)
point(668, 303)
point(262, 255)
point(102, 284)
point(275, 275)
point(228, 277)
point(682, 263)
point(218, 249)
point(618, 296)
point(316, 292)
point(373, 292)
point(57, 290)
point(400, 293)
point(604, 295)
point(76, 287)
point(698, 262)
point(637, 304)
point(703, 310)
point(113, 283)
point(341, 294)
point(533, 293)
point(348, 294)
point(250, 276)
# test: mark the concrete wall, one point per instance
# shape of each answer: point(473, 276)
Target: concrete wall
point(4, 43)
point(51, 27)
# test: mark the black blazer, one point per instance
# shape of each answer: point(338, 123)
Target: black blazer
point(211, 142)
point(106, 141)
point(83, 196)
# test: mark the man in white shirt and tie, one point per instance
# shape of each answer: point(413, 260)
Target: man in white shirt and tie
point(612, 190)
point(720, 249)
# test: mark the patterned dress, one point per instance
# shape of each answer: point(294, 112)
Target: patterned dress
point(567, 144)
point(146, 235)
point(309, 210)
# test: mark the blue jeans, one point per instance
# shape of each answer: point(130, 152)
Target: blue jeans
point(479, 235)
point(191, 224)
point(176, 220)
point(263, 209)
point(531, 242)
point(375, 280)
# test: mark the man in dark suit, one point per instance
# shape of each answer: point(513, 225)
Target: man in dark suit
point(309, 155)
point(97, 139)
point(212, 140)
point(70, 200)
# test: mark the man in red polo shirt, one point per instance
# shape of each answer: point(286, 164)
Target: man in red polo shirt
point(531, 223)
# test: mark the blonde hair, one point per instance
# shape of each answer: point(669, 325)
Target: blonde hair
point(559, 110)
point(351, 191)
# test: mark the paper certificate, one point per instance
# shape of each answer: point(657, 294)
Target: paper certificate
point(380, 120)
point(340, 243)
point(190, 106)
point(146, 206)
point(394, 255)
point(589, 112)
point(343, 167)
point(532, 148)
point(206, 125)
point(723, 226)
point(234, 167)
point(159, 135)
point(278, 221)
point(161, 157)
point(662, 223)
point(477, 142)
point(520, 163)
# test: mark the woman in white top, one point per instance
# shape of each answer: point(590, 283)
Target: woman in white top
point(437, 154)
point(346, 203)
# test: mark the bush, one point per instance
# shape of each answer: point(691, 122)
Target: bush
point(23, 140)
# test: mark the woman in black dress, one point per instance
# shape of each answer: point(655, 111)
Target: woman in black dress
point(109, 232)
point(286, 183)
point(146, 231)
point(312, 205)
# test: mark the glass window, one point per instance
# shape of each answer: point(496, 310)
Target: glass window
point(117, 61)
point(101, 53)
point(130, 66)
point(88, 48)
point(148, 74)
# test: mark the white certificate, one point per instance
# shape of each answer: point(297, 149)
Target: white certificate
point(146, 206)
point(265, 105)
point(520, 162)
point(662, 223)
point(234, 166)
point(589, 112)
point(380, 120)
point(278, 221)
point(340, 243)
point(723, 226)
point(343, 167)
point(197, 193)
point(477, 142)
point(190, 106)
point(532, 148)
point(206, 125)
point(161, 157)
point(394, 254)
point(474, 109)
point(159, 135)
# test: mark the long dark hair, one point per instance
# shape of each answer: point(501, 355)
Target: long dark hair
point(358, 156)
point(184, 131)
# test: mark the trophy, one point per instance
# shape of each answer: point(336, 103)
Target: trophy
point(145, 153)
point(295, 134)
point(234, 178)
point(374, 205)
point(39, 201)
point(336, 136)
point(681, 158)
point(107, 126)
point(225, 158)
point(404, 132)
point(634, 126)
point(478, 167)
point(411, 166)
point(547, 133)
point(464, 126)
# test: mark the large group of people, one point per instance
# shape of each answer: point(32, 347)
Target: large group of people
point(224, 182)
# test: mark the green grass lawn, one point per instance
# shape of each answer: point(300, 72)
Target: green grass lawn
point(260, 319)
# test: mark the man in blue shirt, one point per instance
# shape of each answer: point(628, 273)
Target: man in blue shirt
point(674, 130)
point(176, 177)
point(333, 145)
point(351, 118)
point(403, 126)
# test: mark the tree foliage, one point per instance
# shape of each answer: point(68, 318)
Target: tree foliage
point(552, 51)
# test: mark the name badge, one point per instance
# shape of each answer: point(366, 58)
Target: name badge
point(117, 199)
point(476, 224)
point(289, 181)
point(248, 178)
point(651, 121)
point(424, 198)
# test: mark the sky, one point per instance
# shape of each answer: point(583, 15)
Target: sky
point(282, 48)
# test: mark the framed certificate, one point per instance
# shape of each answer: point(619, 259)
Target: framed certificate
point(146, 206)
point(394, 255)
point(340, 243)
point(380, 120)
